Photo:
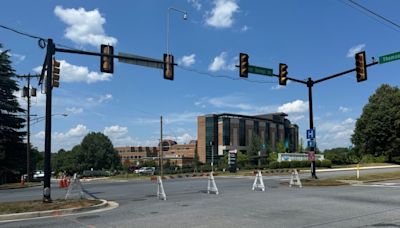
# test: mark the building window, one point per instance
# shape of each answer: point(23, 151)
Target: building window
point(266, 136)
point(242, 132)
point(226, 133)
point(211, 135)
point(256, 128)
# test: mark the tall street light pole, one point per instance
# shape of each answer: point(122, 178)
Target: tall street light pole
point(168, 12)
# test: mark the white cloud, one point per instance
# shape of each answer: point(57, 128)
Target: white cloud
point(185, 138)
point(18, 57)
point(195, 4)
point(237, 102)
point(72, 73)
point(84, 27)
point(353, 50)
point(74, 110)
point(220, 63)
point(40, 135)
point(294, 107)
point(344, 109)
point(187, 60)
point(100, 99)
point(221, 15)
point(244, 28)
point(332, 134)
point(295, 118)
point(118, 135)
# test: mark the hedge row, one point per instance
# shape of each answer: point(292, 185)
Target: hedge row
point(298, 164)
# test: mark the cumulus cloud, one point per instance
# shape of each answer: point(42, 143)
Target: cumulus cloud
point(84, 27)
point(335, 133)
point(118, 135)
point(100, 99)
point(220, 62)
point(221, 16)
point(185, 138)
point(195, 4)
point(187, 60)
point(296, 106)
point(72, 73)
point(353, 50)
point(344, 109)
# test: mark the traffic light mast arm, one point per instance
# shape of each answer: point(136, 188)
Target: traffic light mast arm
point(292, 79)
point(342, 73)
point(111, 56)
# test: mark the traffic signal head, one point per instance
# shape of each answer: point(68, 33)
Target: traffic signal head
point(243, 65)
point(361, 68)
point(283, 74)
point(168, 67)
point(107, 62)
point(55, 82)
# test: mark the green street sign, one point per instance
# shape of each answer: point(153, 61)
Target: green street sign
point(389, 58)
point(260, 70)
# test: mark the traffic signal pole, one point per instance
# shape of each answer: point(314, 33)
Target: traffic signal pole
point(310, 83)
point(47, 141)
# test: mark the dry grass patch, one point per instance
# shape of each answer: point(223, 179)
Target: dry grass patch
point(38, 205)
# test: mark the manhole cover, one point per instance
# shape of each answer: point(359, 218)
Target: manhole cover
point(88, 217)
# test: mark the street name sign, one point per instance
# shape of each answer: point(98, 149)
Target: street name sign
point(140, 60)
point(260, 70)
point(389, 58)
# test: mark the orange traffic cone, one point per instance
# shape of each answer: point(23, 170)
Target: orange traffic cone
point(22, 180)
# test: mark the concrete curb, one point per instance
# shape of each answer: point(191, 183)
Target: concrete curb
point(37, 214)
point(355, 168)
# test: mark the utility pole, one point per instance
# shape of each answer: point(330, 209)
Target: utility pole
point(161, 148)
point(28, 92)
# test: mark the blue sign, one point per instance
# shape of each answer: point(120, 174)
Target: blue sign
point(311, 134)
point(311, 143)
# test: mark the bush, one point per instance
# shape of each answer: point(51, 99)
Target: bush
point(369, 158)
point(326, 163)
point(285, 164)
point(305, 164)
point(274, 165)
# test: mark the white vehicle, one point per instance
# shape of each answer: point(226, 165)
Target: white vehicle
point(38, 175)
point(146, 170)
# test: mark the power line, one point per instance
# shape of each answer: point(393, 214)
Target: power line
point(224, 76)
point(364, 9)
point(21, 33)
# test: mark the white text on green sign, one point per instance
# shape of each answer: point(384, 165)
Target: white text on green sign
point(260, 70)
point(389, 58)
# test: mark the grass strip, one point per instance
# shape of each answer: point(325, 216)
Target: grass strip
point(38, 205)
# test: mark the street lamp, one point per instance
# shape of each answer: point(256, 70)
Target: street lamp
point(38, 119)
point(185, 16)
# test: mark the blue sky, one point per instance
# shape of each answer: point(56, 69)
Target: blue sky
point(314, 38)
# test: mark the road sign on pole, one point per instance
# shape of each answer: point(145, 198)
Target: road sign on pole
point(260, 70)
point(140, 60)
point(389, 58)
point(311, 134)
point(311, 143)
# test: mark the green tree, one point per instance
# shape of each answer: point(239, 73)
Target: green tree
point(339, 156)
point(12, 148)
point(254, 148)
point(280, 147)
point(97, 152)
point(301, 145)
point(377, 131)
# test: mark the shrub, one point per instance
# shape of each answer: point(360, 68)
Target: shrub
point(285, 164)
point(274, 165)
point(326, 163)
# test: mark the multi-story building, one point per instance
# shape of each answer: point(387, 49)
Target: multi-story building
point(136, 152)
point(219, 133)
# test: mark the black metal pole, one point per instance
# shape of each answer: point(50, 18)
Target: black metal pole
point(310, 84)
point(47, 141)
point(28, 139)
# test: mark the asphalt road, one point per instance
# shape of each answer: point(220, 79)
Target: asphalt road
point(188, 205)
